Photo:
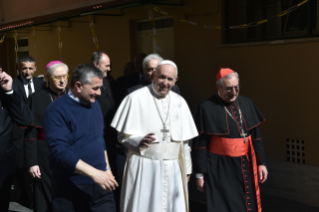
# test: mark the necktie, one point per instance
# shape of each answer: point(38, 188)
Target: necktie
point(29, 88)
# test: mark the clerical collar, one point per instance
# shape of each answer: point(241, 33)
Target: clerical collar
point(25, 82)
point(54, 92)
point(154, 91)
point(71, 94)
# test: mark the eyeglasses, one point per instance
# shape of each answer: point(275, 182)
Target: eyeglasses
point(231, 89)
point(65, 77)
point(151, 69)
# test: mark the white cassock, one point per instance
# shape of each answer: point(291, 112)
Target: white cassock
point(155, 177)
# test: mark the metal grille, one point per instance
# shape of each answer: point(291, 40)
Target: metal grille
point(295, 150)
point(302, 22)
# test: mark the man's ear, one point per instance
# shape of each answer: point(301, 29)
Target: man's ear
point(176, 79)
point(78, 86)
point(35, 68)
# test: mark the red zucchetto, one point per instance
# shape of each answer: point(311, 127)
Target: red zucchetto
point(223, 72)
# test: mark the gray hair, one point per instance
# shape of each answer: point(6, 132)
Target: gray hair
point(53, 67)
point(220, 82)
point(96, 57)
point(167, 62)
point(83, 73)
point(151, 57)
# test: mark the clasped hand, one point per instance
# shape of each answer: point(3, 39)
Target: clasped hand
point(105, 179)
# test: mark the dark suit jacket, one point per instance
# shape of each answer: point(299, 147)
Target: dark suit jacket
point(18, 82)
point(18, 133)
point(12, 109)
point(108, 107)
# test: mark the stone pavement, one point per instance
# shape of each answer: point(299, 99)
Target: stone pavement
point(269, 204)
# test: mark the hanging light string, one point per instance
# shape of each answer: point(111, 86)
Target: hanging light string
point(151, 18)
point(242, 26)
point(60, 41)
point(16, 48)
point(2, 39)
point(34, 43)
point(95, 40)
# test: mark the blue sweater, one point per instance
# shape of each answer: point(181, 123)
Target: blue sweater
point(74, 131)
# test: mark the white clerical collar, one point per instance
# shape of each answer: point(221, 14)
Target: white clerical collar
point(155, 93)
point(71, 94)
point(25, 82)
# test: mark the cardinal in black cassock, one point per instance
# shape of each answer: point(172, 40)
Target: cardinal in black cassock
point(229, 157)
point(36, 147)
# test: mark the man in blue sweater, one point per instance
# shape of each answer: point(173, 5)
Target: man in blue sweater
point(73, 125)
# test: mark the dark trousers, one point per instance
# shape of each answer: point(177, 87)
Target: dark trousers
point(24, 181)
point(5, 193)
point(77, 198)
point(5, 189)
point(42, 187)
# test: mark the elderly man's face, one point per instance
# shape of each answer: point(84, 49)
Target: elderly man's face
point(27, 69)
point(88, 92)
point(164, 79)
point(59, 78)
point(149, 69)
point(104, 64)
point(230, 89)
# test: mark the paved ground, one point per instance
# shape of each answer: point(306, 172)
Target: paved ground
point(269, 204)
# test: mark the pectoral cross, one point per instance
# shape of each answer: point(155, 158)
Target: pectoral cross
point(243, 134)
point(164, 131)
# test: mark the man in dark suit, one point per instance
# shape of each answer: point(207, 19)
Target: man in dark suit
point(12, 109)
point(26, 81)
point(102, 61)
point(149, 65)
point(27, 84)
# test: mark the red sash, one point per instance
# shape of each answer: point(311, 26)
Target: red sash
point(236, 147)
point(41, 135)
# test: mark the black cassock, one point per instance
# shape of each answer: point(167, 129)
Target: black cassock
point(36, 148)
point(108, 107)
point(229, 186)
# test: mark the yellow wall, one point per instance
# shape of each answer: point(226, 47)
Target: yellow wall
point(281, 79)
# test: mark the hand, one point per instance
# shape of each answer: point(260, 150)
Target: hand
point(200, 184)
point(34, 171)
point(105, 179)
point(147, 140)
point(6, 81)
point(263, 173)
point(188, 177)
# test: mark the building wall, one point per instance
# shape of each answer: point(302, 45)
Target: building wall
point(280, 79)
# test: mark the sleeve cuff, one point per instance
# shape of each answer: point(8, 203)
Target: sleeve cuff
point(199, 175)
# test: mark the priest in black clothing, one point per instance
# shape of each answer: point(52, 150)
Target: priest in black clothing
point(229, 156)
point(102, 61)
point(36, 148)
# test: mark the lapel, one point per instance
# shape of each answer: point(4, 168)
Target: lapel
point(37, 83)
point(21, 87)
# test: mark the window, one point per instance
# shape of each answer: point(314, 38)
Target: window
point(302, 22)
